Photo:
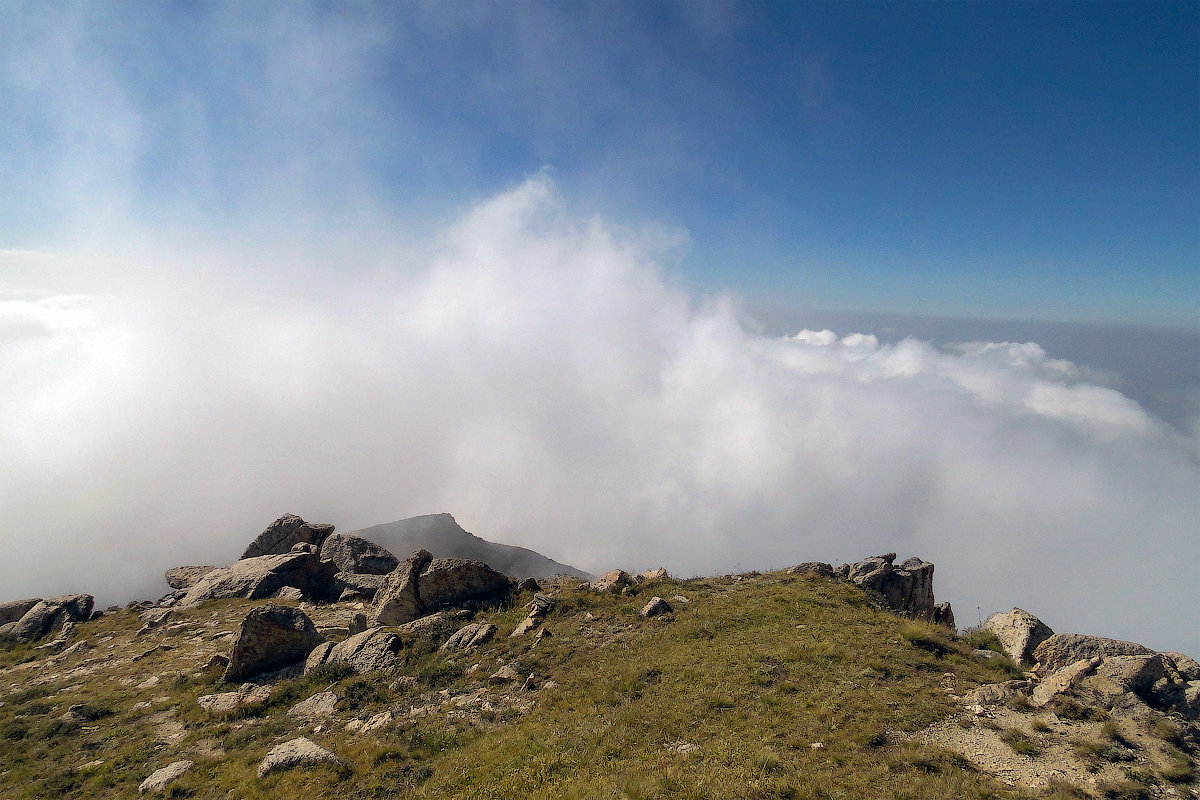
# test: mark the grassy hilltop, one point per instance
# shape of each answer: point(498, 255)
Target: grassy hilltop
point(756, 686)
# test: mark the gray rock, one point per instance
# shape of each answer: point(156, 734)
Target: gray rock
point(49, 615)
point(188, 576)
point(1186, 666)
point(509, 673)
point(261, 577)
point(422, 585)
point(358, 624)
point(283, 533)
point(371, 650)
point(906, 589)
point(225, 702)
point(355, 554)
point(288, 593)
point(656, 607)
point(1063, 680)
point(161, 778)
point(1192, 700)
point(1019, 633)
point(811, 568)
point(471, 635)
point(13, 610)
point(295, 753)
point(613, 579)
point(1061, 649)
point(271, 637)
point(319, 706)
point(995, 693)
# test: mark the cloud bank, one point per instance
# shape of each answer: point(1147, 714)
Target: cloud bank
point(542, 377)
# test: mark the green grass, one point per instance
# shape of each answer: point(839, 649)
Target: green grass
point(726, 698)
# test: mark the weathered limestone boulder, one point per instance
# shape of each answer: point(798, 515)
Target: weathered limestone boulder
point(428, 633)
point(813, 568)
point(161, 778)
point(1019, 633)
point(187, 577)
point(656, 607)
point(13, 610)
point(996, 693)
point(1192, 700)
point(262, 576)
point(1063, 680)
point(271, 637)
point(422, 585)
point(1186, 666)
point(319, 706)
point(659, 574)
point(294, 753)
point(46, 616)
point(1061, 649)
point(285, 532)
point(906, 589)
point(370, 650)
point(247, 695)
point(471, 635)
point(355, 554)
point(613, 579)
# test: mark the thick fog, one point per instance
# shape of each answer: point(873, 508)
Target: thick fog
point(543, 378)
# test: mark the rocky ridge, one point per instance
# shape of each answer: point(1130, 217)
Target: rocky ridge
point(435, 620)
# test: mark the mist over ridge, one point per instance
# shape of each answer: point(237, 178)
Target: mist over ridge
point(544, 379)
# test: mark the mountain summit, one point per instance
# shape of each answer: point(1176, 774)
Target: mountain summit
point(443, 537)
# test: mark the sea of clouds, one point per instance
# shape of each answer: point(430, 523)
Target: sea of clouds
point(544, 379)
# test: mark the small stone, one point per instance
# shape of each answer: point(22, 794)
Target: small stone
point(160, 778)
point(656, 607)
point(817, 745)
point(294, 753)
point(506, 674)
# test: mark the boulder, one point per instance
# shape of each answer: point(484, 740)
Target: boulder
point(50, 615)
point(1019, 633)
point(1192, 700)
point(811, 568)
point(1186, 666)
point(656, 607)
point(428, 633)
point(471, 635)
point(262, 576)
point(294, 753)
point(285, 532)
point(991, 694)
point(247, 695)
point(371, 650)
point(161, 778)
point(1061, 649)
point(355, 554)
point(319, 706)
point(271, 637)
point(1063, 680)
point(613, 579)
point(13, 610)
point(906, 589)
point(187, 577)
point(422, 585)
point(659, 574)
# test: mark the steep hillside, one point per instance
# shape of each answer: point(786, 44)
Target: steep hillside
point(442, 536)
point(766, 686)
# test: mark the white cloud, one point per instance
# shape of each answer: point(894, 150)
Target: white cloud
point(540, 378)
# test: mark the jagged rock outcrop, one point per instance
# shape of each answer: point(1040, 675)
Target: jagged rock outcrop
point(46, 616)
point(1019, 633)
point(1061, 649)
point(286, 532)
point(1187, 667)
point(906, 589)
point(423, 584)
point(271, 637)
point(357, 586)
point(188, 576)
point(357, 555)
point(295, 753)
point(13, 610)
point(262, 576)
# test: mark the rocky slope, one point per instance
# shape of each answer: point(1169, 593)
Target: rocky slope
point(449, 678)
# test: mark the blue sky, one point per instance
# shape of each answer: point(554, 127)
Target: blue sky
point(1018, 160)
